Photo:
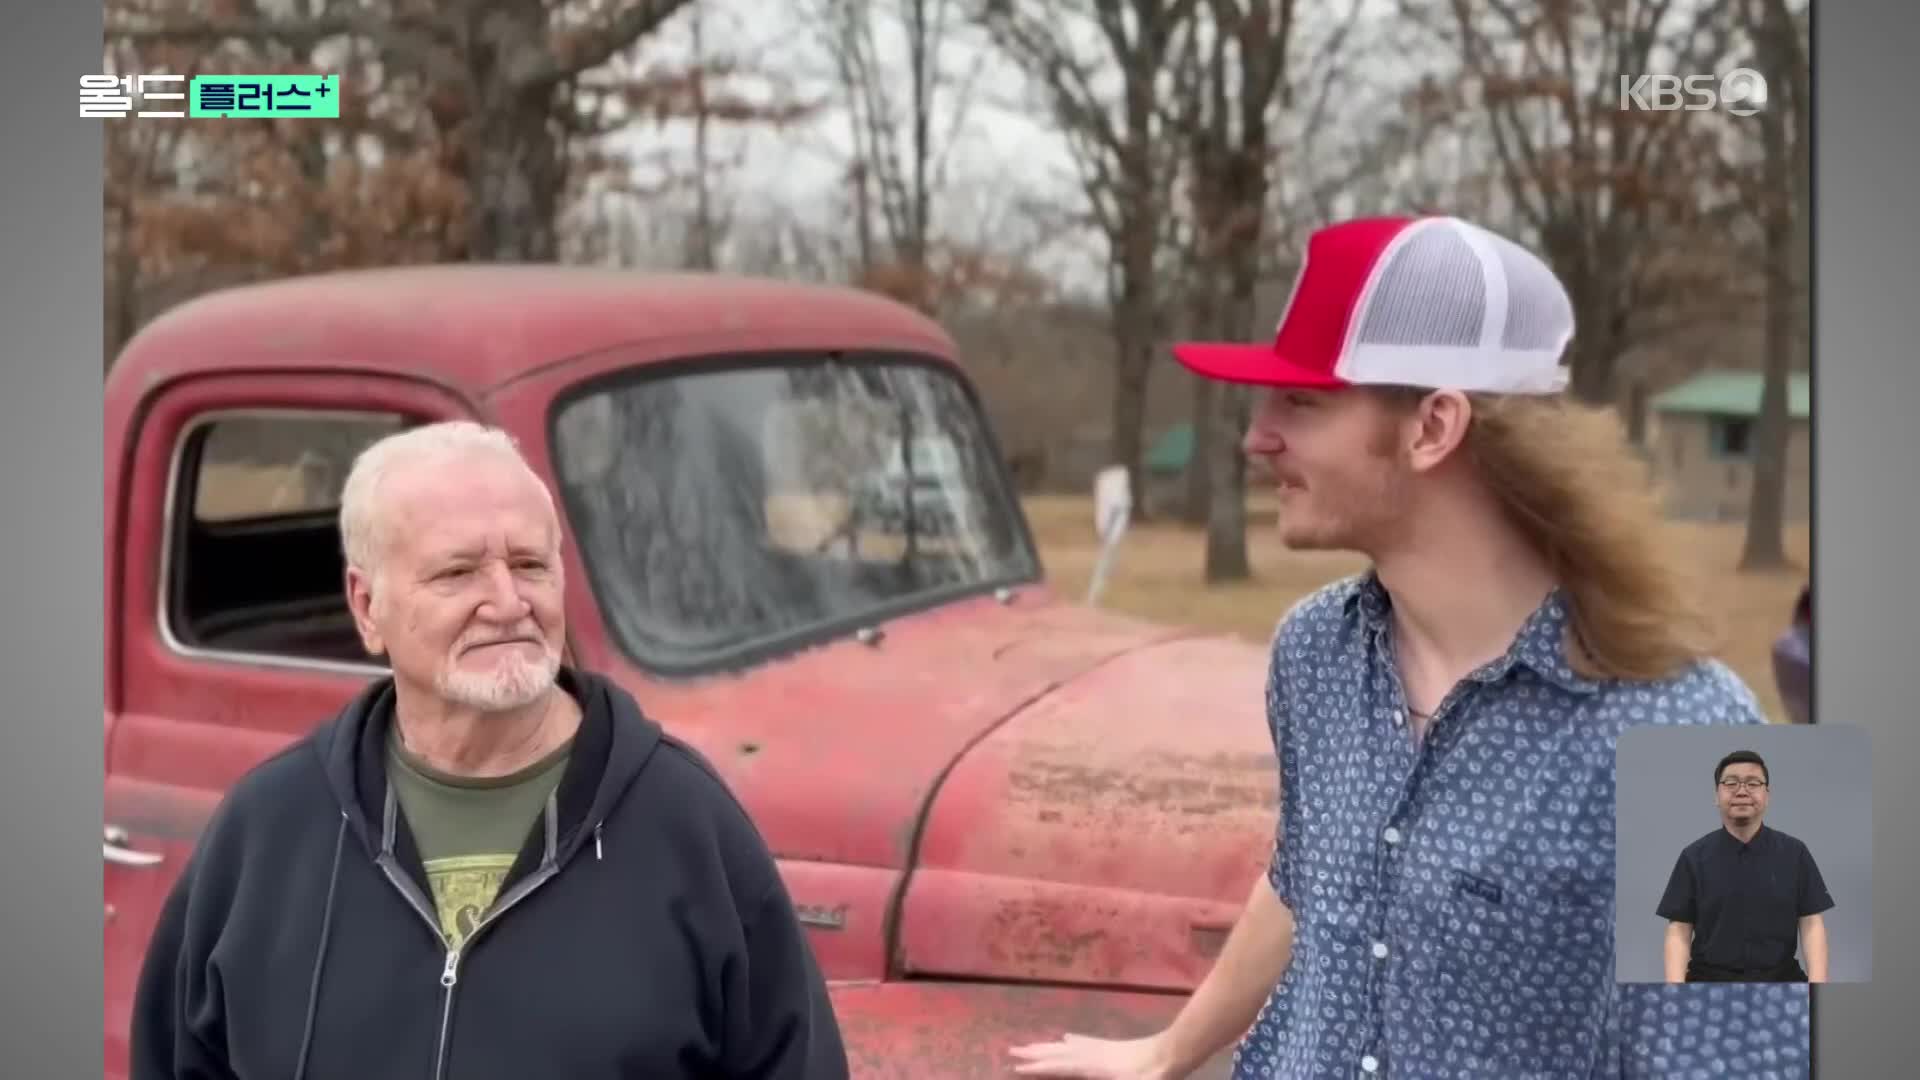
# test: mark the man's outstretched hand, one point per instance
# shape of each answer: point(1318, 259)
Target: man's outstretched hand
point(1083, 1058)
point(1227, 1003)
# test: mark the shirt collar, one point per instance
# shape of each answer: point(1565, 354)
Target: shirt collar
point(1540, 645)
point(1760, 842)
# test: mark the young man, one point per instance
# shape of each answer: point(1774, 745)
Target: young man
point(1740, 896)
point(1440, 899)
point(489, 865)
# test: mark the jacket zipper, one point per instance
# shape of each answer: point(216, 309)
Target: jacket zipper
point(450, 974)
point(450, 971)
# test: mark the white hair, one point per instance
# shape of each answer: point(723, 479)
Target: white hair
point(361, 520)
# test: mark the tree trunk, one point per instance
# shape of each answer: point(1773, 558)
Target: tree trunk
point(1765, 547)
point(1593, 359)
point(1765, 543)
point(700, 250)
point(1245, 221)
point(1802, 170)
point(1138, 318)
point(1197, 500)
point(517, 178)
point(1227, 511)
point(921, 54)
point(125, 299)
point(862, 217)
point(1137, 324)
point(1133, 354)
point(1196, 505)
point(1636, 411)
point(123, 283)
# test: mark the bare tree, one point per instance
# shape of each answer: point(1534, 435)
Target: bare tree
point(195, 206)
point(1234, 73)
point(905, 127)
point(1121, 148)
point(1616, 196)
point(1782, 197)
point(1236, 91)
point(497, 78)
point(687, 200)
point(138, 160)
point(775, 242)
point(700, 245)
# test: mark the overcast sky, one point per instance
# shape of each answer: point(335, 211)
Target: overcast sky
point(996, 150)
point(1003, 150)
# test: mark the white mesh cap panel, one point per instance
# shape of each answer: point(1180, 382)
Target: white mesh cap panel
point(1429, 290)
point(1539, 314)
point(1452, 305)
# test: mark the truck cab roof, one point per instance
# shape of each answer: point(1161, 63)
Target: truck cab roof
point(472, 328)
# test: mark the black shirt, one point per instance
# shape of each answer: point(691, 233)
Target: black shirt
point(1745, 901)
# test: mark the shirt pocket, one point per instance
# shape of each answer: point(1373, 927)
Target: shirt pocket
point(1525, 973)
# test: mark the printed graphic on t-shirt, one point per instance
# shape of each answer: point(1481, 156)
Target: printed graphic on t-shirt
point(463, 888)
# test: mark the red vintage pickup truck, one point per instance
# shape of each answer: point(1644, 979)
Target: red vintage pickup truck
point(1003, 815)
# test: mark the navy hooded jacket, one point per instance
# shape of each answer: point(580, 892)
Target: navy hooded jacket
point(644, 931)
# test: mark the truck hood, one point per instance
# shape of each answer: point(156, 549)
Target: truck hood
point(1108, 833)
point(1054, 780)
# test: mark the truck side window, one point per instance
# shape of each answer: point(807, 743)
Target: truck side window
point(254, 564)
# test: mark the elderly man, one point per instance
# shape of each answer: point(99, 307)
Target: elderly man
point(488, 864)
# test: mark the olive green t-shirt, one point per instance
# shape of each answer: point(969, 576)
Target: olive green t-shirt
point(469, 829)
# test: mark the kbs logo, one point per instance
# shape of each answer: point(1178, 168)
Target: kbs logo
point(1742, 92)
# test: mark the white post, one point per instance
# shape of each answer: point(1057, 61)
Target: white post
point(1112, 509)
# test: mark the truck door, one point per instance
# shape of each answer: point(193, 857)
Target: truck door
point(234, 634)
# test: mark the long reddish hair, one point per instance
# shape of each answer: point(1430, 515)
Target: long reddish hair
point(1570, 482)
point(1574, 487)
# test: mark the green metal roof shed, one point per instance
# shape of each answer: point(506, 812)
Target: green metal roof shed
point(1172, 451)
point(1733, 393)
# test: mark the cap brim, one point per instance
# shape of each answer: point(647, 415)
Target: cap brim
point(1251, 365)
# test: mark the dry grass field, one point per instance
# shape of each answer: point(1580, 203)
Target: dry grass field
point(1156, 574)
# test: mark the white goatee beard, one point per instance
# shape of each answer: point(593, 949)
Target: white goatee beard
point(515, 685)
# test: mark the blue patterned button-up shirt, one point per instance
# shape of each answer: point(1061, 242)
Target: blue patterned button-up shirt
point(1453, 899)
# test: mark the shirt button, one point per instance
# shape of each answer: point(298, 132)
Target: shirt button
point(1370, 1063)
point(1392, 835)
point(1379, 950)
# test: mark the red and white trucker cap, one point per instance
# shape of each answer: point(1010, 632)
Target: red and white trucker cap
point(1428, 302)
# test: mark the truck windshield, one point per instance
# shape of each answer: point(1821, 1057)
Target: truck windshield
point(725, 514)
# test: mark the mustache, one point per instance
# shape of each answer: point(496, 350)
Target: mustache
point(477, 641)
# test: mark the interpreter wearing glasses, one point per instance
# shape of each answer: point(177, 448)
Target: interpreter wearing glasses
point(1742, 897)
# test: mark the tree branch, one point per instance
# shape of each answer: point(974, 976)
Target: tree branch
point(415, 40)
point(1037, 48)
point(592, 46)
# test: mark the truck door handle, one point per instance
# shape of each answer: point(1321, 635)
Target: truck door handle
point(114, 850)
